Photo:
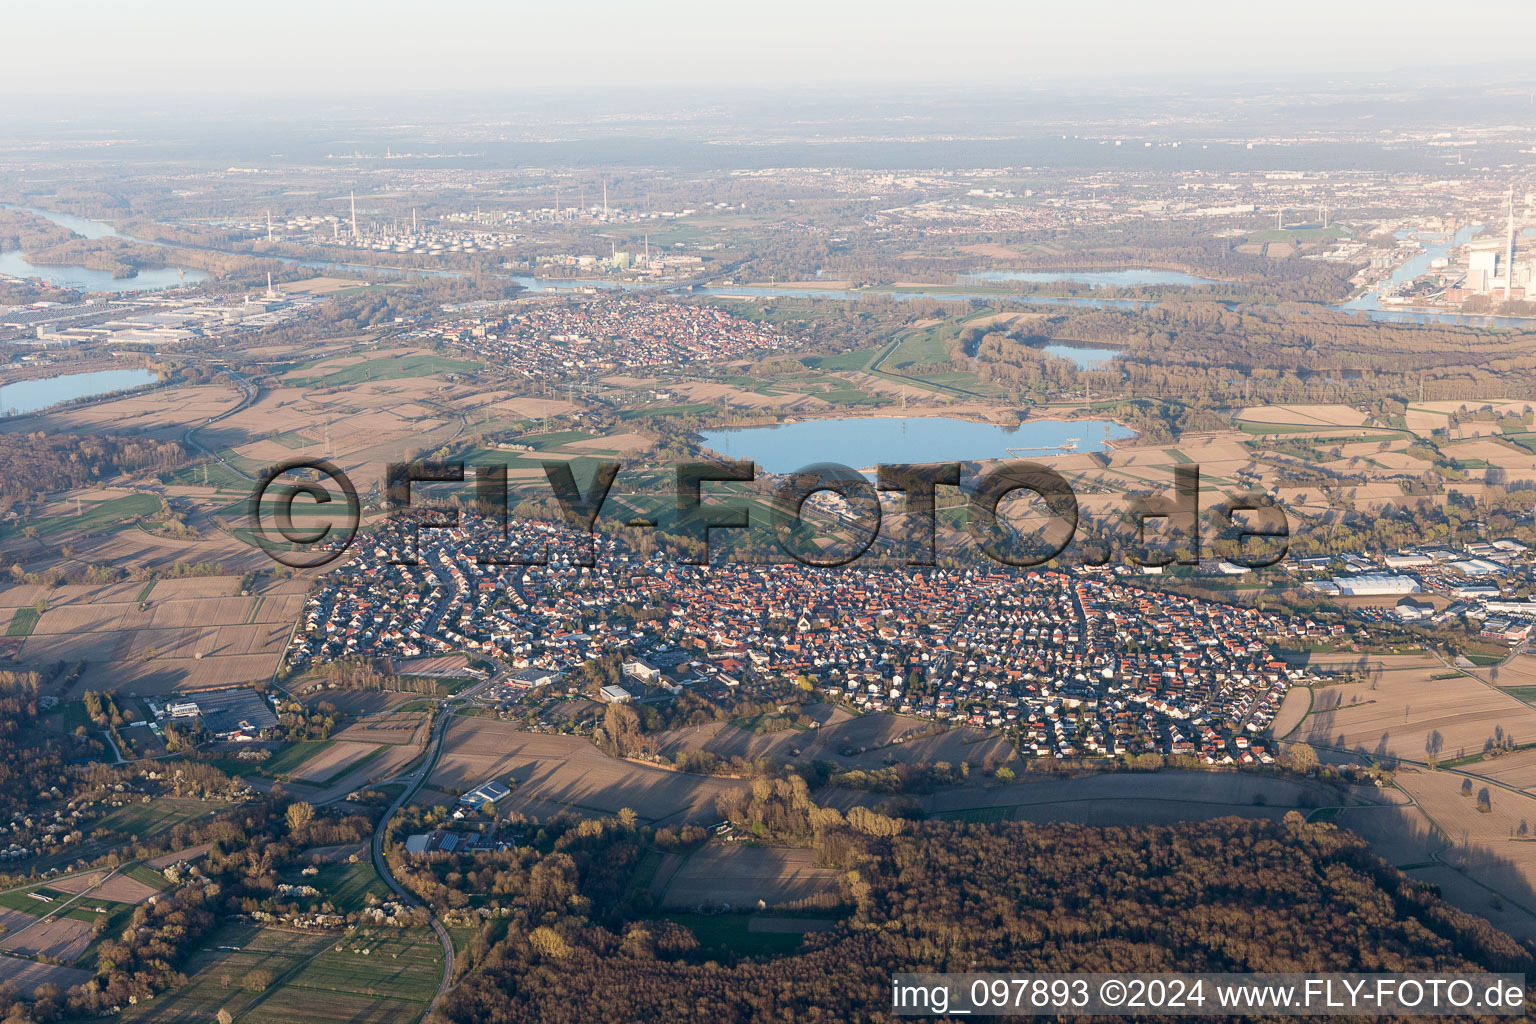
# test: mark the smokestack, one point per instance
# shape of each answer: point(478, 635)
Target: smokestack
point(1509, 248)
point(413, 220)
point(269, 225)
point(354, 214)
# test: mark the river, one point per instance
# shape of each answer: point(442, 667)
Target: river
point(1369, 302)
point(85, 279)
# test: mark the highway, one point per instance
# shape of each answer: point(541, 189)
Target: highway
point(251, 391)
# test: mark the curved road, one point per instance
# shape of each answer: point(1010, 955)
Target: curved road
point(250, 390)
point(413, 781)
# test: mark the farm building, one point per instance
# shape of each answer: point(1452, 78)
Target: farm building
point(440, 841)
point(238, 713)
point(485, 793)
point(234, 713)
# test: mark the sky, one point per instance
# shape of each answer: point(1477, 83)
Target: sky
point(391, 46)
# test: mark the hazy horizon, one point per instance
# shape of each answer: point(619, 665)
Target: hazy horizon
point(391, 47)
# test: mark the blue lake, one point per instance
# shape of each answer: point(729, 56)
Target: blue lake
point(32, 395)
point(1084, 357)
point(868, 441)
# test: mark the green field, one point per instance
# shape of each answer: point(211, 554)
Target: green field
point(348, 885)
point(1298, 234)
point(645, 871)
point(692, 409)
point(97, 516)
point(23, 900)
point(146, 874)
point(921, 348)
point(293, 439)
point(554, 439)
point(212, 474)
point(23, 622)
point(855, 360)
point(729, 934)
point(386, 368)
point(379, 976)
point(292, 756)
point(158, 815)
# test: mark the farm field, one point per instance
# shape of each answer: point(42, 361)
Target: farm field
point(565, 773)
point(851, 741)
point(27, 975)
point(1303, 415)
point(1517, 770)
point(162, 414)
point(120, 888)
point(376, 761)
point(1461, 891)
point(146, 819)
point(385, 727)
point(312, 980)
point(1490, 847)
point(1402, 710)
point(1399, 833)
point(334, 761)
point(1515, 674)
point(332, 371)
point(1123, 799)
point(738, 875)
point(187, 634)
point(60, 937)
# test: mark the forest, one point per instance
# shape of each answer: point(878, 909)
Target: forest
point(1225, 895)
point(1206, 355)
point(39, 463)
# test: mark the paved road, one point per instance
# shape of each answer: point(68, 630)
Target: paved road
point(250, 391)
point(413, 781)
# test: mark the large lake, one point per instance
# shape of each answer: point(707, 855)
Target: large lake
point(32, 395)
point(868, 441)
point(83, 278)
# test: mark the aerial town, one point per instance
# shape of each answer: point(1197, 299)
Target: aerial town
point(551, 554)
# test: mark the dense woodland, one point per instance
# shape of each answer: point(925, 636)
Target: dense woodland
point(1227, 895)
point(1204, 354)
point(39, 463)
